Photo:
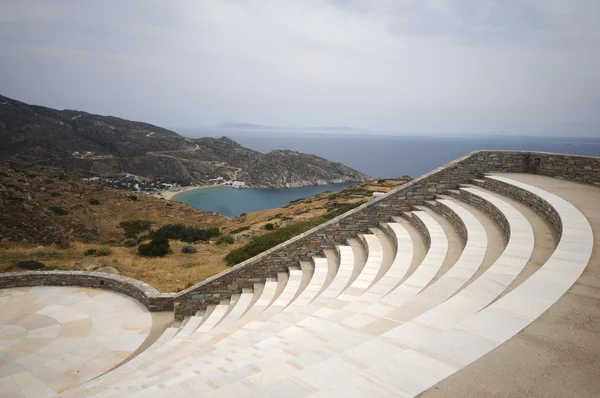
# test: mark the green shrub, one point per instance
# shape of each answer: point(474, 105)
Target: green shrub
point(15, 199)
point(129, 242)
point(55, 193)
point(381, 181)
point(269, 226)
point(157, 247)
point(285, 218)
point(242, 215)
point(185, 233)
point(29, 265)
point(336, 211)
point(94, 201)
point(58, 210)
point(91, 252)
point(259, 244)
point(132, 197)
point(333, 196)
point(188, 249)
point(104, 251)
point(235, 231)
point(228, 239)
point(278, 215)
point(134, 227)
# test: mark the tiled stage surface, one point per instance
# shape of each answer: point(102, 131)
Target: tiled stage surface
point(54, 338)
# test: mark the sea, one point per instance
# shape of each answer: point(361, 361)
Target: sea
point(380, 156)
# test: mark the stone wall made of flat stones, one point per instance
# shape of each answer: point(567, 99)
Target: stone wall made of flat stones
point(144, 293)
point(452, 217)
point(584, 169)
point(538, 204)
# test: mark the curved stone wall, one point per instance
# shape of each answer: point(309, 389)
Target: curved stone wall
point(144, 293)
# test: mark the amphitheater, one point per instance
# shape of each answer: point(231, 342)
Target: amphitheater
point(479, 279)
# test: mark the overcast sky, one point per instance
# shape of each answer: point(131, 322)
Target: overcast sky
point(409, 66)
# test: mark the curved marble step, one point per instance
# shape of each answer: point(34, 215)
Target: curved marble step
point(258, 331)
point(424, 273)
point(311, 323)
point(409, 372)
point(365, 350)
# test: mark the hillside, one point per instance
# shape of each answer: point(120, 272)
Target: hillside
point(87, 145)
point(56, 219)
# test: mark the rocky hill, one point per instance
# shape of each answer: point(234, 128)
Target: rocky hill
point(87, 145)
point(48, 208)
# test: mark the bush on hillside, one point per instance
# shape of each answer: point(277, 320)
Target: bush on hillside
point(129, 242)
point(228, 239)
point(188, 249)
point(132, 197)
point(337, 211)
point(269, 226)
point(55, 194)
point(58, 210)
point(185, 233)
point(157, 247)
point(104, 251)
point(134, 227)
point(235, 231)
point(29, 265)
point(262, 243)
point(93, 201)
point(259, 244)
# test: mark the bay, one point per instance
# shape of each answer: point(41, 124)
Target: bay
point(232, 202)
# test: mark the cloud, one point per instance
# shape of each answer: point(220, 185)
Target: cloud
point(442, 66)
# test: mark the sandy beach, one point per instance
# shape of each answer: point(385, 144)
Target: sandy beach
point(168, 195)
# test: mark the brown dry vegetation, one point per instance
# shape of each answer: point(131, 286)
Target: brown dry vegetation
point(93, 226)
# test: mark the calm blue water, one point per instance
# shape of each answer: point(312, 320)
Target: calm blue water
point(376, 155)
point(232, 202)
point(395, 156)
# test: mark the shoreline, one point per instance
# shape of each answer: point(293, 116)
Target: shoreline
point(171, 193)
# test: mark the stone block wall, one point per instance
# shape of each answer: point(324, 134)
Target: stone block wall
point(452, 217)
point(584, 169)
point(144, 293)
point(538, 204)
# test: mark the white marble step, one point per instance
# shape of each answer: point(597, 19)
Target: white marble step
point(264, 344)
point(449, 351)
point(346, 256)
point(425, 272)
point(261, 331)
point(213, 319)
point(369, 270)
point(369, 352)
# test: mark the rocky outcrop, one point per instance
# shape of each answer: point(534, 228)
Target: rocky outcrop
point(87, 145)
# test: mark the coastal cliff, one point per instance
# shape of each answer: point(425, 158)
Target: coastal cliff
point(87, 145)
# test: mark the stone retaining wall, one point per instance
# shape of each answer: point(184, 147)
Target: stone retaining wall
point(569, 167)
point(487, 207)
point(452, 217)
point(538, 204)
point(144, 293)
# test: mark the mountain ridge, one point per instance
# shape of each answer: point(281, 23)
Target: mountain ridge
point(89, 145)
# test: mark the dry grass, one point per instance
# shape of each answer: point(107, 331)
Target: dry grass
point(171, 273)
